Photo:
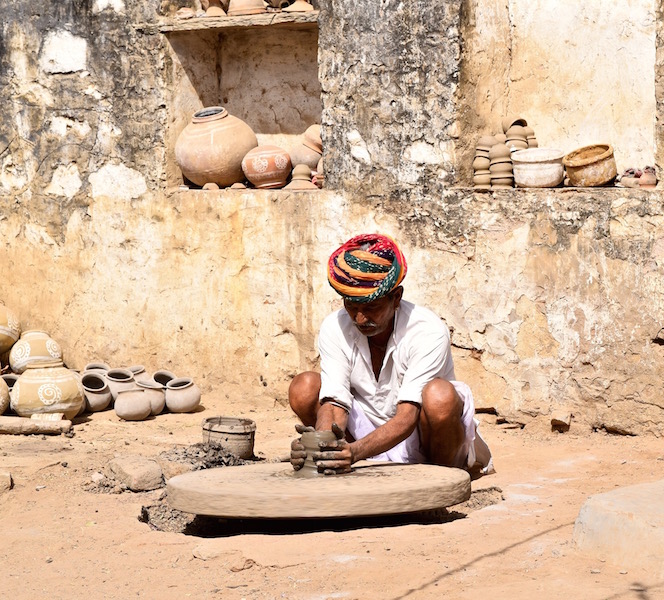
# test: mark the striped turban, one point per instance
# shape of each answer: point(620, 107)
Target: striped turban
point(366, 267)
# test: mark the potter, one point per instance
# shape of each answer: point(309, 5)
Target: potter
point(387, 387)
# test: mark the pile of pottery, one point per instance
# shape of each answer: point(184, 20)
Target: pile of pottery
point(219, 150)
point(235, 8)
point(39, 384)
point(492, 164)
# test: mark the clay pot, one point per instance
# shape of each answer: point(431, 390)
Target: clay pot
point(211, 186)
point(591, 166)
point(10, 328)
point(501, 138)
point(538, 167)
point(301, 180)
point(517, 144)
point(47, 388)
point(267, 167)
point(119, 380)
point(299, 6)
point(10, 379)
point(501, 167)
point(311, 440)
point(182, 395)
point(303, 155)
point(139, 373)
point(234, 434)
point(499, 151)
point(512, 120)
point(212, 146)
point(132, 405)
point(485, 142)
point(245, 7)
point(4, 396)
point(311, 138)
point(97, 393)
point(154, 392)
point(33, 348)
point(238, 186)
point(162, 376)
point(479, 153)
point(96, 367)
point(481, 179)
point(481, 163)
point(214, 9)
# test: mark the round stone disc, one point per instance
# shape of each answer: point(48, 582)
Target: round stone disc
point(274, 491)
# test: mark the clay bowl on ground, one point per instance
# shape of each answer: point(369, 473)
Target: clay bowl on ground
point(591, 166)
point(538, 167)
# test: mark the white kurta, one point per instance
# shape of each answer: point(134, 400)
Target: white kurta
point(417, 352)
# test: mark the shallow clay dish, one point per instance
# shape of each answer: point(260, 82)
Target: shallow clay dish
point(591, 166)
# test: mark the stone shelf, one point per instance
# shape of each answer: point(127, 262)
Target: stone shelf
point(277, 19)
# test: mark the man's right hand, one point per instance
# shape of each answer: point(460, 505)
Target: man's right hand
point(298, 454)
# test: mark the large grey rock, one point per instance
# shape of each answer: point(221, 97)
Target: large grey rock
point(138, 473)
point(625, 526)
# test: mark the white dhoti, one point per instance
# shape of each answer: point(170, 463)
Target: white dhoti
point(473, 452)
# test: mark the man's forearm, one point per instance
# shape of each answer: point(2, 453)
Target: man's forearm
point(330, 413)
point(388, 435)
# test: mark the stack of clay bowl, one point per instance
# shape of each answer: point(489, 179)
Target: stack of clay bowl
point(500, 167)
point(481, 173)
point(530, 137)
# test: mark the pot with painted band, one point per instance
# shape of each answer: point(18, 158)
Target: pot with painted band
point(311, 442)
point(10, 328)
point(34, 347)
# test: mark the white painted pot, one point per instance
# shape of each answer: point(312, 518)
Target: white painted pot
point(538, 167)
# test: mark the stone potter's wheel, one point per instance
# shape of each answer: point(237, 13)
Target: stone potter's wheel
point(272, 491)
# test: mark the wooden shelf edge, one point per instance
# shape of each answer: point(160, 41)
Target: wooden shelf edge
point(305, 19)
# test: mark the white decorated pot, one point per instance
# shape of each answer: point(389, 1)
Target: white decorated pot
point(10, 328)
point(33, 348)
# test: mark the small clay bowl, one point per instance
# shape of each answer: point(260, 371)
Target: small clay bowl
point(482, 153)
point(486, 141)
point(499, 151)
point(482, 172)
point(482, 179)
point(509, 121)
point(481, 163)
point(501, 168)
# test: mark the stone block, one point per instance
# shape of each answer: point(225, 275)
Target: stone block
point(6, 481)
point(171, 468)
point(625, 527)
point(138, 473)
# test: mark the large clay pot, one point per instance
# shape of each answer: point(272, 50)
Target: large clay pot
point(33, 348)
point(10, 328)
point(162, 376)
point(119, 380)
point(182, 395)
point(47, 388)
point(132, 405)
point(4, 396)
point(310, 440)
point(267, 167)
point(591, 166)
point(211, 148)
point(97, 393)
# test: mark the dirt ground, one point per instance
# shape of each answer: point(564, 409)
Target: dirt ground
point(60, 539)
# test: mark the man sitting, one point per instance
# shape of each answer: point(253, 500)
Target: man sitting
point(387, 386)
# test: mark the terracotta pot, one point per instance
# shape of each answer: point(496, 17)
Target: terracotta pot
point(132, 405)
point(212, 146)
point(235, 434)
point(119, 380)
point(96, 367)
point(4, 396)
point(538, 167)
point(303, 155)
point(245, 7)
point(591, 166)
point(267, 167)
point(182, 395)
point(214, 9)
point(10, 328)
point(33, 348)
point(154, 392)
point(501, 138)
point(311, 138)
point(301, 180)
point(512, 120)
point(139, 372)
point(499, 151)
point(47, 388)
point(97, 393)
point(311, 440)
point(299, 6)
point(480, 163)
point(162, 376)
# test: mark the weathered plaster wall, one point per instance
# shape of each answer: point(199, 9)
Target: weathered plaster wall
point(555, 297)
point(579, 72)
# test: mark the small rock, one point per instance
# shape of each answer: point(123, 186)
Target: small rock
point(561, 421)
point(623, 572)
point(97, 476)
point(6, 481)
point(49, 559)
point(39, 487)
point(139, 474)
point(595, 571)
point(172, 468)
point(64, 464)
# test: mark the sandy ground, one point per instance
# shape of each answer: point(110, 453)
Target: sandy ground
point(59, 540)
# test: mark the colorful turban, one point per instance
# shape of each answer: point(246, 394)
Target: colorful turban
point(366, 267)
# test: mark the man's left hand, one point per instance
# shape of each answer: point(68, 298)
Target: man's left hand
point(334, 457)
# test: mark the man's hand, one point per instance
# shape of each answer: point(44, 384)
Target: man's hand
point(334, 457)
point(297, 451)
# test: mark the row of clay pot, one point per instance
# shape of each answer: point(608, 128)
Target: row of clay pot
point(134, 394)
point(234, 8)
point(219, 150)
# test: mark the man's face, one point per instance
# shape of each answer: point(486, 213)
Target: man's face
point(373, 318)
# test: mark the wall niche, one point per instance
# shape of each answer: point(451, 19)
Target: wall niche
point(261, 69)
